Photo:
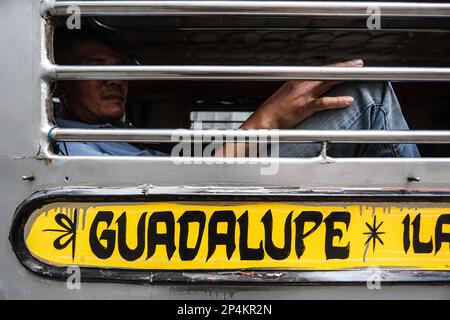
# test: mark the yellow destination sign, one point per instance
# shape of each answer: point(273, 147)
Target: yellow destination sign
point(244, 235)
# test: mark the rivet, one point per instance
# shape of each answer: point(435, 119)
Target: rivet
point(28, 178)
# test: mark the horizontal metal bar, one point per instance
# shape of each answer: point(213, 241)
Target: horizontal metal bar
point(253, 135)
point(247, 8)
point(58, 72)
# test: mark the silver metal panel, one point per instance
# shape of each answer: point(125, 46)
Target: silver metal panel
point(245, 8)
point(19, 283)
point(16, 77)
point(257, 73)
point(314, 173)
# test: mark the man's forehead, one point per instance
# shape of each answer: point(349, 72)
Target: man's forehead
point(87, 49)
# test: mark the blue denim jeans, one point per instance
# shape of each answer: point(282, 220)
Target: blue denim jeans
point(375, 107)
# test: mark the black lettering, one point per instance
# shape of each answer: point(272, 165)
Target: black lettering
point(439, 234)
point(300, 235)
point(273, 251)
point(127, 253)
point(228, 238)
point(188, 254)
point(167, 238)
point(246, 252)
point(406, 236)
point(109, 236)
point(420, 247)
point(334, 252)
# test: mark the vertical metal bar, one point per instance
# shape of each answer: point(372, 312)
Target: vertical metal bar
point(323, 152)
point(46, 103)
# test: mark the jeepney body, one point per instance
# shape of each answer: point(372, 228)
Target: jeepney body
point(33, 176)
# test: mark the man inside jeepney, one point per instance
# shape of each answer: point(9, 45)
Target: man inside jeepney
point(317, 105)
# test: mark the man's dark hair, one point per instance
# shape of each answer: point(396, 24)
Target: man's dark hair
point(64, 39)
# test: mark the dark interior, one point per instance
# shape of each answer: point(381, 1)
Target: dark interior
point(274, 41)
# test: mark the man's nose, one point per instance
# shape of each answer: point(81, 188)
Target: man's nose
point(123, 85)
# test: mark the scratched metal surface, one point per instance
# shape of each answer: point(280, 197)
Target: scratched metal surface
point(23, 139)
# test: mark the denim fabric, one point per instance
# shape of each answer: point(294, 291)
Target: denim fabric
point(375, 107)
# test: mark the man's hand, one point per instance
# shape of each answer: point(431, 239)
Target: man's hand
point(291, 104)
point(297, 100)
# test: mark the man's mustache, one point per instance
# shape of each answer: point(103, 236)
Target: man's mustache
point(116, 93)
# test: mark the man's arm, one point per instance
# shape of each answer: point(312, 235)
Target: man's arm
point(291, 104)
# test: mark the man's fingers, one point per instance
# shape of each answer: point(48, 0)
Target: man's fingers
point(331, 103)
point(324, 86)
point(318, 87)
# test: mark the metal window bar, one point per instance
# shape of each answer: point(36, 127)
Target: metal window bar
point(246, 8)
point(58, 72)
point(252, 135)
point(276, 8)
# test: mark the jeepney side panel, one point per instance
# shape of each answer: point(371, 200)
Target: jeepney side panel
point(20, 91)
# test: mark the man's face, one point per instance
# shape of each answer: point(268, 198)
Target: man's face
point(94, 101)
